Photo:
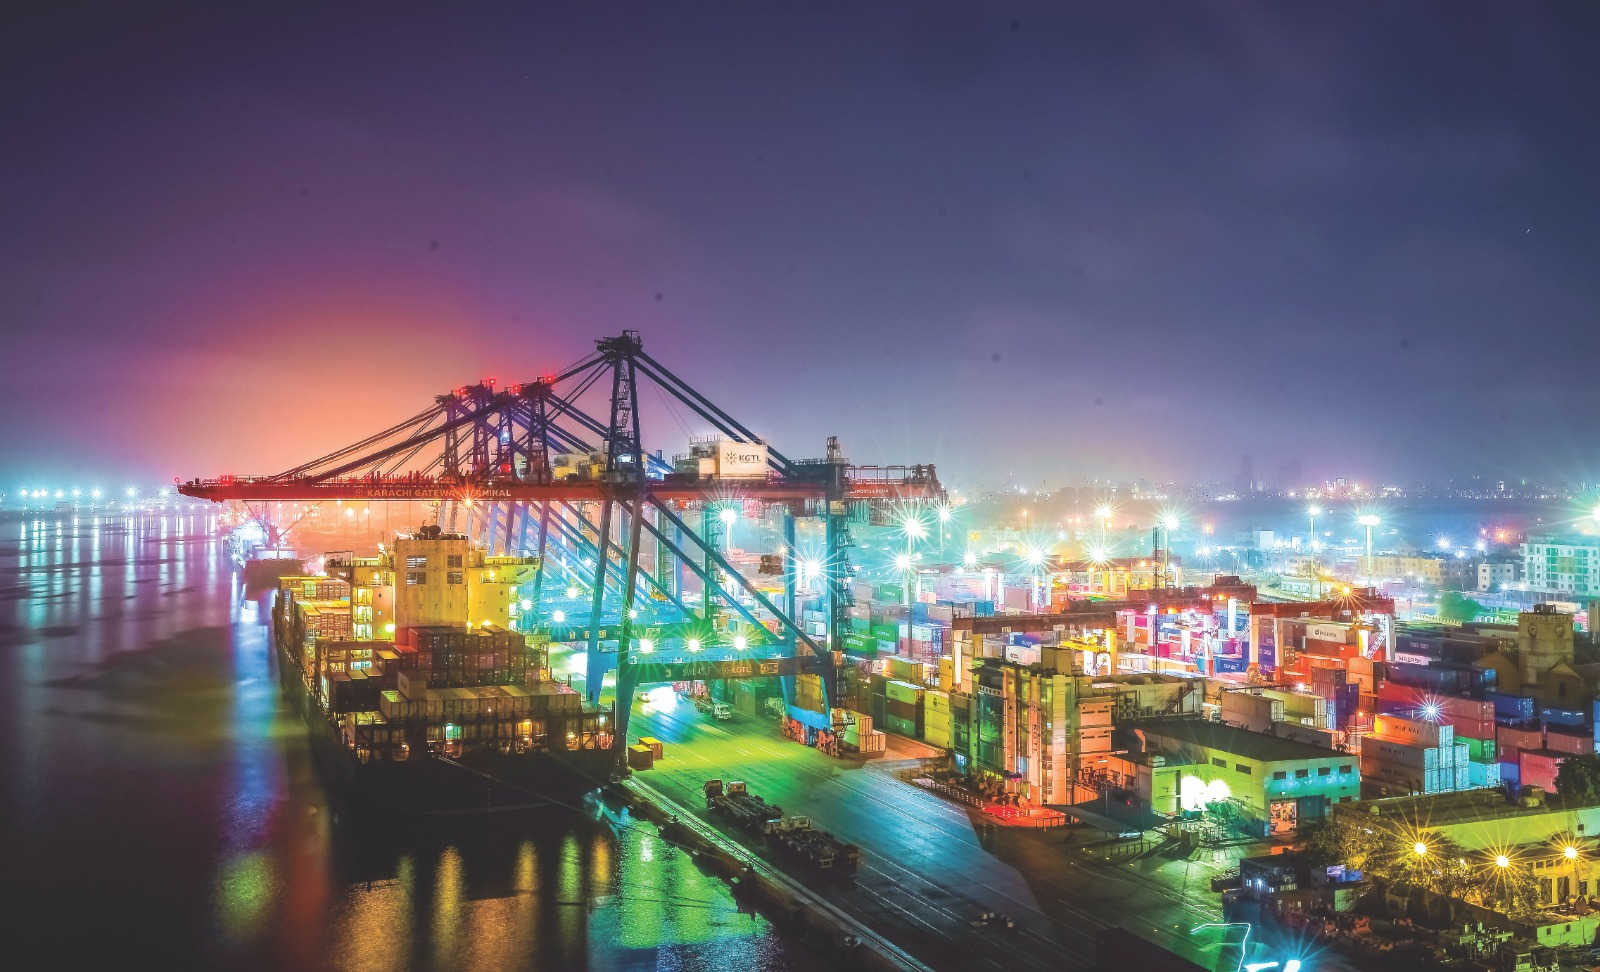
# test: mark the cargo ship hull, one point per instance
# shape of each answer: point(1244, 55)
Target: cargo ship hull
point(434, 789)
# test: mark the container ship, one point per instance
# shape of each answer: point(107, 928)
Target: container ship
point(417, 715)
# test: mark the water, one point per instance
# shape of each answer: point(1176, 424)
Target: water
point(156, 803)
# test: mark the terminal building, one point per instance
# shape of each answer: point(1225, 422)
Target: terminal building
point(1262, 784)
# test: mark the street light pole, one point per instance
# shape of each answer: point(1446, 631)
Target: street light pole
point(1169, 523)
point(1369, 520)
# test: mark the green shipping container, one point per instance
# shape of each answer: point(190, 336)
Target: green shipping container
point(1478, 750)
point(904, 691)
point(886, 632)
point(896, 724)
point(855, 644)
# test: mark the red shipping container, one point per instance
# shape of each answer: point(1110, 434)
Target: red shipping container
point(1474, 710)
point(1563, 742)
point(1510, 737)
point(1470, 727)
point(1329, 649)
point(1539, 768)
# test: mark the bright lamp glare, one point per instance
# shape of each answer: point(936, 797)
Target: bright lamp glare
point(944, 514)
point(728, 515)
point(1313, 511)
point(559, 617)
point(572, 592)
point(969, 559)
point(902, 561)
point(1368, 519)
point(1102, 512)
point(693, 644)
point(739, 643)
point(1569, 852)
point(1170, 522)
point(1034, 556)
point(1501, 860)
point(914, 528)
point(1420, 849)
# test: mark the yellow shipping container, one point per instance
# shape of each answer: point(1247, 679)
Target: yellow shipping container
point(936, 700)
point(905, 669)
point(936, 736)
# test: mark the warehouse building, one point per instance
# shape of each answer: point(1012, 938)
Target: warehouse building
point(1260, 784)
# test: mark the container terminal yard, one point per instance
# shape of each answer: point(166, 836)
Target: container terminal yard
point(934, 752)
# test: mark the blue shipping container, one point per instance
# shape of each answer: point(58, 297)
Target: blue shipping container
point(1510, 773)
point(1229, 664)
point(1512, 708)
point(1483, 774)
point(1562, 717)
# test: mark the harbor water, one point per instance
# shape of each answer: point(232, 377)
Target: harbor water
point(158, 804)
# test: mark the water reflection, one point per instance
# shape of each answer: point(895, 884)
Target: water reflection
point(157, 804)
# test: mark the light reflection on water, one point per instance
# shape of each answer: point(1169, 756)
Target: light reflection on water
point(156, 803)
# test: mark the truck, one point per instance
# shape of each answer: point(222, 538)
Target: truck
point(817, 851)
point(794, 840)
point(734, 801)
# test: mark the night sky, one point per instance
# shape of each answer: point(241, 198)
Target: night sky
point(1118, 241)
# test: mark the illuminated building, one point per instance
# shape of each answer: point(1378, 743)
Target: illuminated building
point(371, 581)
point(1426, 570)
point(1496, 575)
point(440, 579)
point(1562, 566)
point(1046, 727)
point(1257, 783)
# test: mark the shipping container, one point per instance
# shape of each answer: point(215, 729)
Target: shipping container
point(1569, 742)
point(1417, 732)
point(899, 725)
point(1478, 750)
point(1511, 740)
point(904, 691)
point(1557, 716)
point(1483, 774)
point(1540, 767)
point(1254, 712)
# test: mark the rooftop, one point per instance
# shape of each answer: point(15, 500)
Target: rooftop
point(1465, 806)
point(1231, 739)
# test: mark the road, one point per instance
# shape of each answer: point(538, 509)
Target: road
point(928, 870)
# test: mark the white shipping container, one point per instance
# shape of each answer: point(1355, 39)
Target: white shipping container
point(1254, 712)
point(741, 460)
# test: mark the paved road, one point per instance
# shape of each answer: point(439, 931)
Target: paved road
point(927, 870)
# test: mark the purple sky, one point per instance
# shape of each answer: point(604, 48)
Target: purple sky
point(1141, 240)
